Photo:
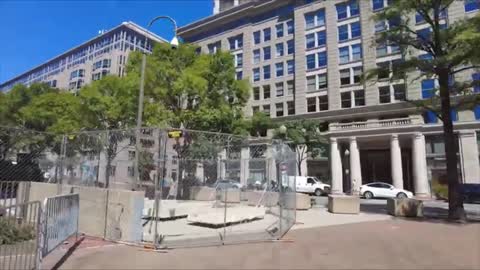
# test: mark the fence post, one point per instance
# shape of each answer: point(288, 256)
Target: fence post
point(63, 151)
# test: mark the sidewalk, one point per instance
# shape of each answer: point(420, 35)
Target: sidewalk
point(390, 244)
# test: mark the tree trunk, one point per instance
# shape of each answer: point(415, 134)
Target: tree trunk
point(455, 199)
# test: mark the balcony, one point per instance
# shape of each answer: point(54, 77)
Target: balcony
point(376, 124)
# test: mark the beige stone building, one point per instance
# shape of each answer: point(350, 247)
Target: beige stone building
point(304, 59)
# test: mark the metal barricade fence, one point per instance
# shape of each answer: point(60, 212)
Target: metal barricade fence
point(61, 214)
point(20, 234)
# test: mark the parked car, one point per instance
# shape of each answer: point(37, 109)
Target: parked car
point(310, 185)
point(470, 192)
point(383, 190)
point(227, 184)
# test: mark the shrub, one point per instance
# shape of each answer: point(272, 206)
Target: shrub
point(11, 232)
point(441, 191)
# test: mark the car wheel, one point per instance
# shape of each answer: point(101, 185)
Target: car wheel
point(318, 192)
point(368, 195)
point(402, 195)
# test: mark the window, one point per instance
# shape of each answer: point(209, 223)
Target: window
point(255, 109)
point(279, 69)
point(239, 75)
point(430, 117)
point(267, 34)
point(349, 31)
point(267, 53)
point(380, 26)
point(290, 108)
point(290, 67)
point(347, 9)
point(356, 52)
point(279, 109)
point(344, 55)
point(343, 32)
point(266, 72)
point(239, 60)
point(266, 109)
point(476, 111)
point(321, 38)
point(419, 18)
point(310, 40)
point(355, 30)
point(290, 88)
point(424, 35)
point(346, 99)
point(315, 19)
point(312, 104)
point(322, 81)
point(256, 74)
point(471, 5)
point(311, 61)
point(428, 88)
point(256, 56)
point(279, 50)
point(322, 59)
point(357, 74)
point(454, 115)
point(290, 47)
point(279, 89)
point(323, 103)
point(381, 50)
point(384, 70)
point(476, 79)
point(279, 28)
point(256, 93)
point(377, 4)
point(266, 91)
point(236, 42)
point(345, 77)
point(359, 98)
point(214, 47)
point(290, 27)
point(384, 94)
point(399, 92)
point(131, 155)
point(311, 84)
point(256, 37)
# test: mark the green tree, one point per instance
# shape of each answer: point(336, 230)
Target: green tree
point(452, 49)
point(305, 138)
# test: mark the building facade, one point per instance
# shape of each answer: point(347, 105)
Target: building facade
point(104, 54)
point(305, 60)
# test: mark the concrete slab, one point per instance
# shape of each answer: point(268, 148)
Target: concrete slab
point(234, 215)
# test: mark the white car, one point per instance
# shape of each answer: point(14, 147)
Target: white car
point(383, 190)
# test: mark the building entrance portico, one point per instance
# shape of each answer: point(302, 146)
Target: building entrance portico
point(397, 159)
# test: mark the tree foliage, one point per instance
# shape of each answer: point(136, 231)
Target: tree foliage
point(442, 52)
point(305, 138)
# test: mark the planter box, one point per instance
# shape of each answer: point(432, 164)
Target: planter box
point(343, 204)
point(405, 207)
point(202, 194)
point(269, 198)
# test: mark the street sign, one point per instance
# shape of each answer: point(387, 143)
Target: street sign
point(175, 134)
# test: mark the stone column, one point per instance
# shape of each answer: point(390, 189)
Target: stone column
point(271, 167)
point(244, 165)
point(336, 167)
point(469, 156)
point(221, 159)
point(396, 162)
point(420, 179)
point(355, 166)
point(200, 172)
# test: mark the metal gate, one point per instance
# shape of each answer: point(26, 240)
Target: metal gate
point(20, 234)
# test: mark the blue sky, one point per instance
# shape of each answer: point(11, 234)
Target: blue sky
point(34, 31)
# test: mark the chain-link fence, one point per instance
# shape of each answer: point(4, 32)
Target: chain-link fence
point(167, 187)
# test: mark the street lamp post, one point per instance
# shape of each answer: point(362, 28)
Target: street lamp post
point(174, 44)
point(347, 170)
